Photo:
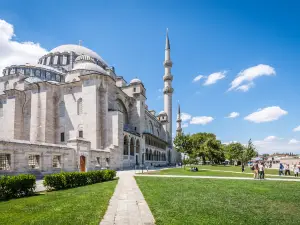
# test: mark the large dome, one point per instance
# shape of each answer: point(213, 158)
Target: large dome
point(79, 50)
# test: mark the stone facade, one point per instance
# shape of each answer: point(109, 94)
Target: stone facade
point(71, 112)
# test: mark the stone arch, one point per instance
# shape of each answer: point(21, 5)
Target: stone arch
point(122, 108)
point(125, 147)
point(137, 146)
point(132, 146)
point(6, 85)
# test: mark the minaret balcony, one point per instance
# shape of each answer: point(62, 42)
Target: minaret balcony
point(168, 90)
point(168, 63)
point(168, 77)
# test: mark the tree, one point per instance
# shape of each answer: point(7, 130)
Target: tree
point(182, 143)
point(234, 151)
point(250, 151)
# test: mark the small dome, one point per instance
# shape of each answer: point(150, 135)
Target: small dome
point(89, 66)
point(161, 113)
point(135, 81)
point(84, 58)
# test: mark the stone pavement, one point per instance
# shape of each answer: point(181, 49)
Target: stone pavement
point(216, 177)
point(127, 205)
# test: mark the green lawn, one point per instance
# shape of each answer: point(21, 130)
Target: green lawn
point(178, 201)
point(82, 205)
point(211, 171)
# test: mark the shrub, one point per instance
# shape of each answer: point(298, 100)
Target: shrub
point(17, 186)
point(75, 179)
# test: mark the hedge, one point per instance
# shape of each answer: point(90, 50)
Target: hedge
point(65, 180)
point(16, 186)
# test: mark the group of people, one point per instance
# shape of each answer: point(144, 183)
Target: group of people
point(194, 169)
point(258, 170)
point(285, 169)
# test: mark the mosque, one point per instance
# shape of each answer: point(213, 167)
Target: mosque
point(72, 112)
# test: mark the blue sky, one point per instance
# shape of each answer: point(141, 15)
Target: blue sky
point(206, 37)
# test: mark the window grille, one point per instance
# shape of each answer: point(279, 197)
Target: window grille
point(56, 161)
point(5, 161)
point(62, 137)
point(34, 161)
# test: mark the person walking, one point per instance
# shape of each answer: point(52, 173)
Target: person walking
point(281, 167)
point(287, 169)
point(261, 168)
point(296, 170)
point(255, 170)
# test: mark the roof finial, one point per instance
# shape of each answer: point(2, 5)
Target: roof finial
point(167, 40)
point(80, 42)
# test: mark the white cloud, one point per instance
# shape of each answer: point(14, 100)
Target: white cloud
point(185, 116)
point(271, 138)
point(294, 141)
point(214, 77)
point(296, 129)
point(202, 120)
point(185, 125)
point(266, 114)
point(248, 75)
point(197, 78)
point(13, 52)
point(276, 145)
point(233, 115)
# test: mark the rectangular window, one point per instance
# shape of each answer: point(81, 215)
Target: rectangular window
point(56, 163)
point(62, 137)
point(5, 161)
point(81, 134)
point(134, 89)
point(64, 60)
point(34, 161)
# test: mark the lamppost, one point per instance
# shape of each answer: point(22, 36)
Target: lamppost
point(143, 161)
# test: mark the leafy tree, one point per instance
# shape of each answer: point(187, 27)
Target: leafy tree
point(182, 143)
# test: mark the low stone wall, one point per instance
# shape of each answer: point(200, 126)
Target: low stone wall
point(19, 152)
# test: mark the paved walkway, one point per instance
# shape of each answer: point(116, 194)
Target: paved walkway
point(216, 177)
point(127, 205)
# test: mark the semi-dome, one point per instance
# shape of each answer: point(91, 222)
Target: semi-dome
point(79, 50)
point(84, 58)
point(135, 81)
point(89, 66)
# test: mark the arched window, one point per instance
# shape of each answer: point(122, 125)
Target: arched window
point(79, 106)
point(150, 156)
point(132, 147)
point(147, 154)
point(151, 127)
point(61, 109)
point(6, 85)
point(125, 150)
point(1, 109)
point(137, 147)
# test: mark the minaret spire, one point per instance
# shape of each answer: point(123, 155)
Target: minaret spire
point(168, 90)
point(179, 129)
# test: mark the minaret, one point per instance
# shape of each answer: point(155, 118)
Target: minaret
point(179, 129)
point(168, 90)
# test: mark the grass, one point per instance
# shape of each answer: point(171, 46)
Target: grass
point(180, 201)
point(82, 205)
point(213, 171)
